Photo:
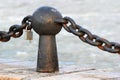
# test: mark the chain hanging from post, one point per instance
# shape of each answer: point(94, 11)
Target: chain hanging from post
point(47, 22)
point(88, 37)
point(16, 31)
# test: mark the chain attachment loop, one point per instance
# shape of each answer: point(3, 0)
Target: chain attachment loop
point(26, 22)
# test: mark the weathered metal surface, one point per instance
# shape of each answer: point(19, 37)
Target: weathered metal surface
point(47, 54)
point(86, 36)
point(43, 24)
point(43, 21)
point(16, 31)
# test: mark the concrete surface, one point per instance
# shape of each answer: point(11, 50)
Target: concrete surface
point(17, 72)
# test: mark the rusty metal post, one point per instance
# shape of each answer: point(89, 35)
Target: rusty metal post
point(43, 24)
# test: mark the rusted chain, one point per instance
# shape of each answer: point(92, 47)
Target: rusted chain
point(16, 31)
point(86, 36)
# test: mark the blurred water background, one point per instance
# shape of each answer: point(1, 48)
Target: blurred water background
point(101, 17)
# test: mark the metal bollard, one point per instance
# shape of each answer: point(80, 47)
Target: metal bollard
point(43, 24)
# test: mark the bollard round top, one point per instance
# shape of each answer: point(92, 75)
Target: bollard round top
point(43, 21)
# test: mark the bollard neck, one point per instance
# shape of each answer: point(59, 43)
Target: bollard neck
point(47, 54)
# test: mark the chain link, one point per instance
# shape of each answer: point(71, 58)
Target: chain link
point(87, 37)
point(69, 25)
point(16, 31)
